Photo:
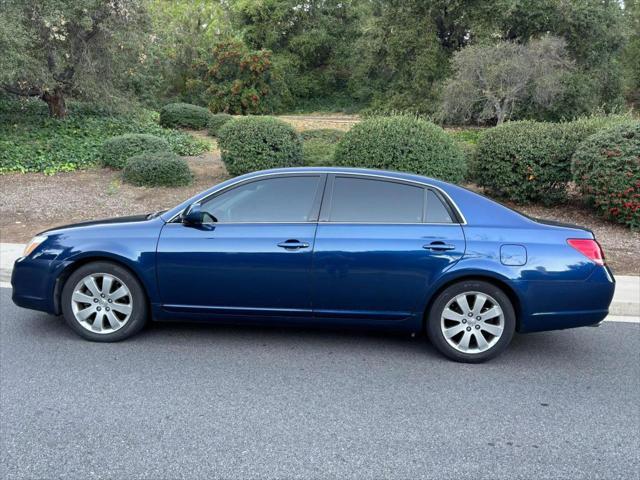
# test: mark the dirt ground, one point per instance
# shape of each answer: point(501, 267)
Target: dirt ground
point(34, 202)
point(312, 122)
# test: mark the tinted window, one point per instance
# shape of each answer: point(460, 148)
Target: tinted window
point(288, 199)
point(436, 210)
point(375, 201)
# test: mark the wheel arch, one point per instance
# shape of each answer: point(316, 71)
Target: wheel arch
point(496, 281)
point(64, 275)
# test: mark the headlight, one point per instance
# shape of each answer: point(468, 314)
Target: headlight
point(33, 244)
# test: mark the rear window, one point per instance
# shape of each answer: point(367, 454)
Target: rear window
point(437, 212)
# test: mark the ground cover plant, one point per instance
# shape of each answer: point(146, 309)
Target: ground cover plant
point(30, 141)
point(318, 146)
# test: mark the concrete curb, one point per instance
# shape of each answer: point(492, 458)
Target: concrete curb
point(626, 301)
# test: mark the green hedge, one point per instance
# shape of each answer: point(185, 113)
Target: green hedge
point(157, 169)
point(216, 121)
point(530, 161)
point(256, 143)
point(117, 150)
point(523, 161)
point(184, 115)
point(402, 143)
point(606, 168)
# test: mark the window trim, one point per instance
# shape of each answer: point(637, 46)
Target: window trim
point(444, 198)
point(457, 215)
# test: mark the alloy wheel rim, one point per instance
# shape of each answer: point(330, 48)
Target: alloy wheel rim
point(101, 303)
point(472, 322)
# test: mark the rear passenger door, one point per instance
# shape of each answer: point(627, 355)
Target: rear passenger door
point(379, 244)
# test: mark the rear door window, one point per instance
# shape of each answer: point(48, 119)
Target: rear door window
point(360, 200)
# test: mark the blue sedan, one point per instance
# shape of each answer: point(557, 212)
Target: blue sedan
point(326, 247)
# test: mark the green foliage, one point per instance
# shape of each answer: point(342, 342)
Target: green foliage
point(631, 54)
point(606, 167)
point(318, 146)
point(30, 141)
point(216, 121)
point(490, 81)
point(530, 161)
point(256, 143)
point(402, 143)
point(232, 79)
point(523, 162)
point(184, 115)
point(157, 169)
point(64, 47)
point(467, 135)
point(117, 150)
point(311, 44)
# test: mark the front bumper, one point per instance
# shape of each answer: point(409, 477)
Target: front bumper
point(33, 281)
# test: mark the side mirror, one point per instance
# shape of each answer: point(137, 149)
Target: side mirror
point(193, 215)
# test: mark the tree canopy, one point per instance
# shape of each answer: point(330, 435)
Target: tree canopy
point(377, 54)
point(58, 48)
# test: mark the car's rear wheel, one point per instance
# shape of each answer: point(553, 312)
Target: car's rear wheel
point(471, 321)
point(104, 302)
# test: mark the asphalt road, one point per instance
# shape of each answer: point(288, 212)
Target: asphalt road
point(192, 401)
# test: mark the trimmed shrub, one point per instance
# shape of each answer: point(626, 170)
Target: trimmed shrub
point(116, 150)
point(157, 169)
point(402, 143)
point(216, 121)
point(606, 168)
point(523, 161)
point(530, 161)
point(184, 115)
point(257, 143)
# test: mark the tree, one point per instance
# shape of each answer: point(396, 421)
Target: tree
point(59, 48)
point(231, 79)
point(311, 41)
point(631, 54)
point(490, 80)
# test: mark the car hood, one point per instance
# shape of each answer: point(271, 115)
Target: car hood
point(105, 221)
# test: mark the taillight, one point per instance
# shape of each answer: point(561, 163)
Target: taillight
point(589, 248)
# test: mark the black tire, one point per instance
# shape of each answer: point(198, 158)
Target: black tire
point(139, 310)
point(435, 334)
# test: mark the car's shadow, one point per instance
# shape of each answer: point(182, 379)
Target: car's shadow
point(551, 346)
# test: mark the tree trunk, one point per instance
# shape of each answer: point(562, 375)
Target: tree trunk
point(55, 101)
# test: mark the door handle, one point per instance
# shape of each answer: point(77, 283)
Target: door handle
point(293, 244)
point(439, 246)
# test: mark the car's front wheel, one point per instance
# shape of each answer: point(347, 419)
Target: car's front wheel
point(104, 302)
point(471, 321)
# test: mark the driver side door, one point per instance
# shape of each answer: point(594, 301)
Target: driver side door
point(252, 258)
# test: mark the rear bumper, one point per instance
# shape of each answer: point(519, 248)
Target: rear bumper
point(557, 305)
